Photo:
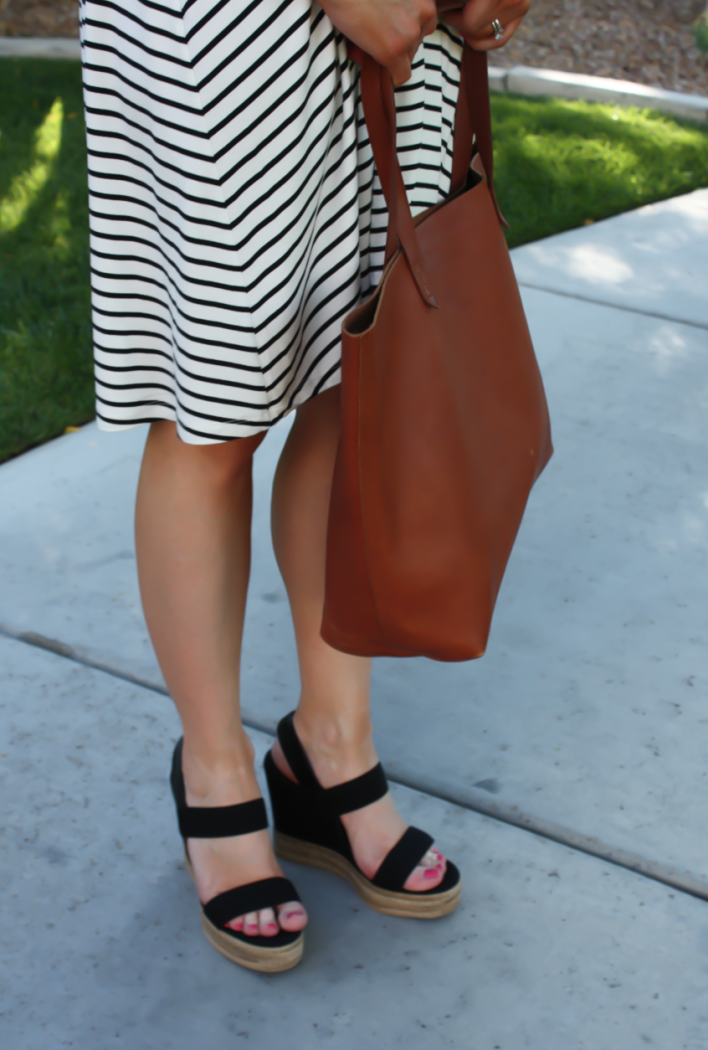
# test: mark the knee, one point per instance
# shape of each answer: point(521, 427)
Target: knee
point(218, 465)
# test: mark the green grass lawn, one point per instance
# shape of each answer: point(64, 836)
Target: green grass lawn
point(46, 379)
point(558, 165)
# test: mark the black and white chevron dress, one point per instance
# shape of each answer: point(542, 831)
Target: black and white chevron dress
point(236, 216)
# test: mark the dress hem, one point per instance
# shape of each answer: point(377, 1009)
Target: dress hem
point(230, 432)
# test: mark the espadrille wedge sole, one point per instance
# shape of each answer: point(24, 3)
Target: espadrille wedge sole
point(254, 957)
point(264, 954)
point(308, 830)
point(405, 905)
point(268, 959)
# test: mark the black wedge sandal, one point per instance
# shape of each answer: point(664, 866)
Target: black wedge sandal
point(266, 954)
point(308, 830)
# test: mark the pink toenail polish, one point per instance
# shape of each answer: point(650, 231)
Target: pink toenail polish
point(431, 873)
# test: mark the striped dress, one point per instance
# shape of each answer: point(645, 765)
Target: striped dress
point(236, 216)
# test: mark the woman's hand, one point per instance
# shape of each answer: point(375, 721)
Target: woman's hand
point(474, 20)
point(391, 31)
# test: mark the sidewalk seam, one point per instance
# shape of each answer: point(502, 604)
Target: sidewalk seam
point(611, 306)
point(684, 882)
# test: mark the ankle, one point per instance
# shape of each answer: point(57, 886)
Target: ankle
point(336, 736)
point(212, 772)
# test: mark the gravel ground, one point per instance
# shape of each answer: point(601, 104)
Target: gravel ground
point(648, 41)
point(39, 18)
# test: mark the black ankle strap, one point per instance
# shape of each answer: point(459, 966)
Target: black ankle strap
point(295, 754)
point(357, 793)
point(342, 798)
point(219, 822)
point(213, 822)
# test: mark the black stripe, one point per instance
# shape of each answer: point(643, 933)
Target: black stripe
point(197, 264)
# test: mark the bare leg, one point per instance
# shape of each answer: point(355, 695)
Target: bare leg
point(193, 524)
point(333, 718)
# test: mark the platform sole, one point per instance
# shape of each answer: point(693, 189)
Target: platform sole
point(252, 957)
point(403, 905)
point(264, 960)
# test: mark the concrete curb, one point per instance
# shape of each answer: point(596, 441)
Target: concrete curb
point(519, 80)
point(523, 80)
point(39, 47)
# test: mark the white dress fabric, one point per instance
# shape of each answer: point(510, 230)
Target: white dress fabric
point(236, 216)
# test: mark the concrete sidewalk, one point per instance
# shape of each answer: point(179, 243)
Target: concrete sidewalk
point(585, 722)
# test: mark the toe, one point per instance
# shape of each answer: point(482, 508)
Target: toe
point(236, 924)
point(423, 879)
point(429, 873)
point(267, 923)
point(250, 923)
point(292, 917)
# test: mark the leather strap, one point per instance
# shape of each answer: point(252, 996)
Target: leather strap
point(218, 822)
point(472, 117)
point(464, 134)
point(380, 112)
point(477, 92)
point(357, 793)
point(266, 893)
point(402, 859)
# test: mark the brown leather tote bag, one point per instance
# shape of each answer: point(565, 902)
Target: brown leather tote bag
point(445, 425)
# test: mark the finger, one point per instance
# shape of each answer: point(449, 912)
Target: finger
point(400, 70)
point(478, 26)
point(444, 6)
point(487, 42)
point(430, 26)
point(478, 15)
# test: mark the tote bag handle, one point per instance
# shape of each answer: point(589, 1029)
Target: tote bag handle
point(472, 117)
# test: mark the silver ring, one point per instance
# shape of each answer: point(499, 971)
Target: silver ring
point(497, 29)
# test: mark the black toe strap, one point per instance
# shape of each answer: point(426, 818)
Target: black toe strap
point(266, 893)
point(402, 859)
point(213, 822)
point(342, 798)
